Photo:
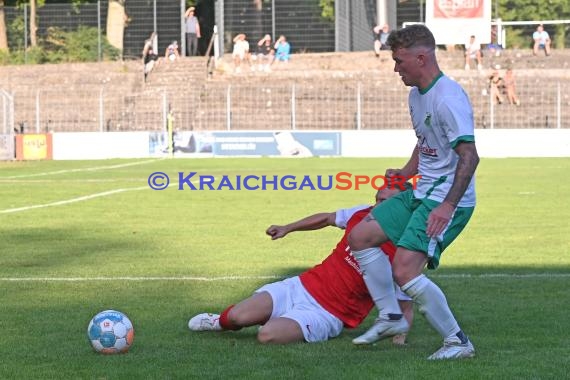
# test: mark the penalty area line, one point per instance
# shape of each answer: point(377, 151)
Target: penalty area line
point(89, 169)
point(247, 278)
point(72, 200)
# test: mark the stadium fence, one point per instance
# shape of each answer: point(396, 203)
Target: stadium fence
point(321, 105)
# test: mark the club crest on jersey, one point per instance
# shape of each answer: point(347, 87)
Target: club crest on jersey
point(427, 120)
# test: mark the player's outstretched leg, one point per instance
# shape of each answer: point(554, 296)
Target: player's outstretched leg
point(383, 328)
point(377, 275)
point(205, 322)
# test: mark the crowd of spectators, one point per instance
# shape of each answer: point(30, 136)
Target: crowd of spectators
point(266, 53)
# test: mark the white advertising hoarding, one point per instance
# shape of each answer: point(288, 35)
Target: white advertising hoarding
point(452, 22)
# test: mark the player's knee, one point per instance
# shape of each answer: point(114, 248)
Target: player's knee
point(400, 275)
point(403, 274)
point(353, 240)
point(359, 239)
point(266, 335)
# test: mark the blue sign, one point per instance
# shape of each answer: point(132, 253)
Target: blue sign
point(287, 143)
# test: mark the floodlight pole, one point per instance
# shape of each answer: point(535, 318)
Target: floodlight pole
point(154, 16)
point(99, 30)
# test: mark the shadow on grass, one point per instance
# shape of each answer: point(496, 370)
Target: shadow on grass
point(56, 251)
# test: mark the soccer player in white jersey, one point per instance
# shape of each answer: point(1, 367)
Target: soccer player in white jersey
point(424, 221)
point(317, 304)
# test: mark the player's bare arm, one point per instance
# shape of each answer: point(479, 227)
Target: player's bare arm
point(410, 169)
point(310, 223)
point(468, 161)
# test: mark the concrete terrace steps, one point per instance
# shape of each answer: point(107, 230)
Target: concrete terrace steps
point(357, 65)
point(70, 74)
point(178, 73)
point(70, 92)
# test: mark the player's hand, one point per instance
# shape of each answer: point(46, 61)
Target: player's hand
point(276, 232)
point(393, 172)
point(438, 219)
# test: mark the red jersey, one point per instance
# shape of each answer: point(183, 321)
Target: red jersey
point(337, 282)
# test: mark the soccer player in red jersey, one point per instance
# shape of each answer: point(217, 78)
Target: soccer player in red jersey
point(315, 305)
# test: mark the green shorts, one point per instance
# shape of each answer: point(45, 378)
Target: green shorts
point(404, 220)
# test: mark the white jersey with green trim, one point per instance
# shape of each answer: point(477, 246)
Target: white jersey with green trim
point(442, 118)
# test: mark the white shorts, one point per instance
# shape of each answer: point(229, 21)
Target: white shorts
point(291, 300)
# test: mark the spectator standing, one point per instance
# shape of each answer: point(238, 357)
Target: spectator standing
point(510, 86)
point(240, 53)
point(381, 34)
point(541, 40)
point(149, 56)
point(282, 49)
point(473, 51)
point(192, 32)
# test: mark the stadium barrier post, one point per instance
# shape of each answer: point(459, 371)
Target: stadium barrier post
point(558, 108)
point(293, 110)
point(358, 108)
point(38, 111)
point(229, 108)
point(101, 111)
point(169, 126)
point(492, 112)
point(164, 111)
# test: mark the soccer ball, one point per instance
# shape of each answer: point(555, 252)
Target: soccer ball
point(111, 332)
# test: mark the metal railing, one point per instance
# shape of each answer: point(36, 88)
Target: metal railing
point(259, 104)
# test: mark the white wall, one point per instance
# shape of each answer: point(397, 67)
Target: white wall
point(523, 142)
point(490, 143)
point(396, 143)
point(100, 145)
point(387, 143)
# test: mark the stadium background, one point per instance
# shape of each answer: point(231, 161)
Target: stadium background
point(323, 88)
point(299, 20)
point(81, 236)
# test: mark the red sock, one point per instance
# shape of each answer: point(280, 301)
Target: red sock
point(225, 321)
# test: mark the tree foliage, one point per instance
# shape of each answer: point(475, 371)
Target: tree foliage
point(535, 10)
point(327, 7)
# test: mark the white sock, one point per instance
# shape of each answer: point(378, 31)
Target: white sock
point(377, 274)
point(433, 305)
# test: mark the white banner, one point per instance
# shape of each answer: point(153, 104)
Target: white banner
point(7, 147)
point(452, 22)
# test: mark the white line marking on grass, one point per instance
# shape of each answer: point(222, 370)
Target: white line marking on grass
point(72, 200)
point(246, 278)
point(181, 278)
point(95, 168)
point(60, 181)
point(503, 275)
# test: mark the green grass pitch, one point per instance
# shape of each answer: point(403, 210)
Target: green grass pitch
point(79, 237)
